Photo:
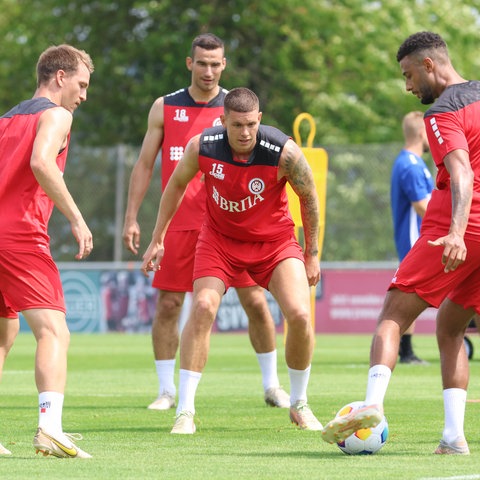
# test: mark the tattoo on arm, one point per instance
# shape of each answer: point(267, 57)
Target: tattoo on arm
point(461, 201)
point(300, 177)
point(458, 165)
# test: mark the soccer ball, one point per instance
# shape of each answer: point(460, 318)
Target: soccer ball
point(365, 441)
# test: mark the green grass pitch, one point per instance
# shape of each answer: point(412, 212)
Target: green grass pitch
point(112, 379)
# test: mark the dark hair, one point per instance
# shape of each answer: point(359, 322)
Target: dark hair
point(240, 100)
point(419, 42)
point(61, 57)
point(207, 41)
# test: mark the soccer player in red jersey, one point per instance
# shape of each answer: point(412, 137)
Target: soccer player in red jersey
point(34, 139)
point(247, 227)
point(443, 267)
point(173, 120)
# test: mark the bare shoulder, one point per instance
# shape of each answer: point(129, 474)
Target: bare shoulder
point(155, 116)
point(56, 118)
point(158, 103)
point(195, 140)
point(56, 113)
point(193, 146)
point(296, 169)
point(292, 157)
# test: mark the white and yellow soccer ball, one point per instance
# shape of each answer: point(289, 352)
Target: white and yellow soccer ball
point(365, 441)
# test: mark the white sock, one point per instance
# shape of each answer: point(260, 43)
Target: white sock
point(165, 373)
point(454, 401)
point(187, 388)
point(378, 379)
point(50, 407)
point(268, 367)
point(298, 384)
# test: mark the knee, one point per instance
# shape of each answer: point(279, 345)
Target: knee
point(67, 337)
point(446, 332)
point(253, 303)
point(452, 325)
point(204, 311)
point(258, 312)
point(168, 306)
point(9, 329)
point(55, 333)
point(8, 335)
point(299, 319)
point(256, 307)
point(63, 334)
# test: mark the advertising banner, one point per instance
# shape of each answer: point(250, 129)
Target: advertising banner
point(120, 299)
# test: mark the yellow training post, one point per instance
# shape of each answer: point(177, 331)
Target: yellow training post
point(318, 161)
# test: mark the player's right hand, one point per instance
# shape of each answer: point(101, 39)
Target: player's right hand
point(84, 238)
point(131, 237)
point(454, 250)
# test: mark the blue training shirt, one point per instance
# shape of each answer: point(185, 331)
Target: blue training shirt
point(411, 181)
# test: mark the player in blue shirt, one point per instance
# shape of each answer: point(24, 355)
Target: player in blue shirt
point(411, 186)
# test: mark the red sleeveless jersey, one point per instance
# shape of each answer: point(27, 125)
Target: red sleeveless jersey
point(245, 201)
point(25, 208)
point(183, 119)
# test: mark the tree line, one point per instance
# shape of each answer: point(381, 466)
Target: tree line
point(333, 59)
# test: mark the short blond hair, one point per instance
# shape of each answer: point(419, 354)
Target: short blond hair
point(61, 57)
point(412, 123)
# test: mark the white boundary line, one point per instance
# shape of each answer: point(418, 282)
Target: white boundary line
point(457, 477)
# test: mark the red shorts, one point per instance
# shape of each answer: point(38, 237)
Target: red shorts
point(29, 280)
point(176, 272)
point(421, 272)
point(224, 258)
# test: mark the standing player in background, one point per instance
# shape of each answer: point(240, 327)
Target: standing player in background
point(443, 267)
point(34, 138)
point(411, 186)
point(247, 226)
point(172, 121)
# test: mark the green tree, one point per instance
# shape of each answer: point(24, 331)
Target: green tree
point(333, 59)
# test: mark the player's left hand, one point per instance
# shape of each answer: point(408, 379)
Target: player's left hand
point(312, 267)
point(152, 258)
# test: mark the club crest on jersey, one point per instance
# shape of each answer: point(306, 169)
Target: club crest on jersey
point(181, 115)
point(217, 122)
point(256, 186)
